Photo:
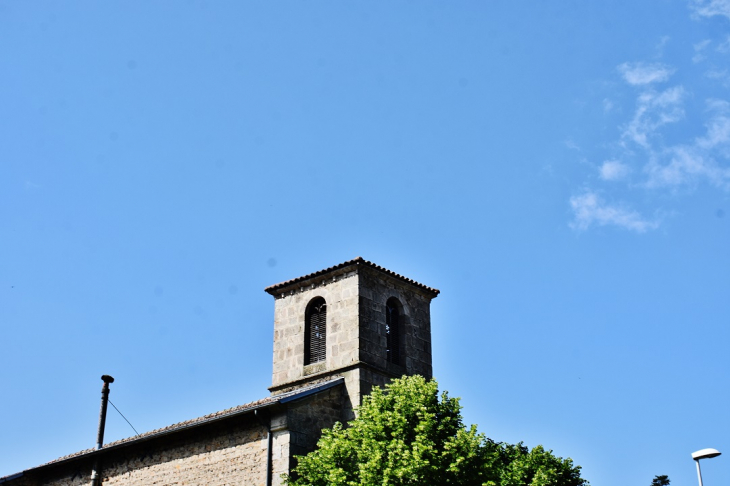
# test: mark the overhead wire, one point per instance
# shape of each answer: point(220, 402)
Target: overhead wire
point(125, 418)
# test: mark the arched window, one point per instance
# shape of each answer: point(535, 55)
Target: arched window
point(315, 331)
point(392, 330)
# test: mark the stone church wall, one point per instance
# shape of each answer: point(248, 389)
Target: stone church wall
point(229, 452)
point(220, 458)
point(375, 290)
point(216, 456)
point(341, 295)
point(307, 418)
point(233, 449)
point(356, 347)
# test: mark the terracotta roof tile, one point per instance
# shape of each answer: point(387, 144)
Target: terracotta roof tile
point(274, 289)
point(178, 426)
point(264, 402)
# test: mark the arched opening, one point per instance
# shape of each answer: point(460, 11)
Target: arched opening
point(393, 330)
point(315, 331)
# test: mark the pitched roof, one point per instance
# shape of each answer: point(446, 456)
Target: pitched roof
point(276, 289)
point(188, 424)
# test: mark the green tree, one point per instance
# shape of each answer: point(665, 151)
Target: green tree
point(406, 435)
point(660, 480)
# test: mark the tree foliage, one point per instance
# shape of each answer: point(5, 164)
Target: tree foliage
point(406, 435)
point(662, 480)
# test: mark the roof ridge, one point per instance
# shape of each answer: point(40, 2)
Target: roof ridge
point(220, 414)
point(272, 289)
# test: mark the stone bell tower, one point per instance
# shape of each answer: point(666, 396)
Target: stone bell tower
point(356, 320)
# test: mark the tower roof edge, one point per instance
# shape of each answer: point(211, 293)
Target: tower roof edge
point(357, 261)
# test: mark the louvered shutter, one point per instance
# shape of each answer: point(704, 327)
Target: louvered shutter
point(316, 332)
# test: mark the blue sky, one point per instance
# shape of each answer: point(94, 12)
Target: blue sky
point(559, 170)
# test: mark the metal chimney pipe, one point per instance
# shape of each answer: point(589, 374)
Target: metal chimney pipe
point(102, 413)
point(95, 476)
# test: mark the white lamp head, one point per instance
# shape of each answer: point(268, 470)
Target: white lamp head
point(705, 454)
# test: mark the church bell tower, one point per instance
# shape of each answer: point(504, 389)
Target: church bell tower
point(356, 320)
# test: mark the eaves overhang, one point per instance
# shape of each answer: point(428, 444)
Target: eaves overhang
point(283, 287)
point(180, 427)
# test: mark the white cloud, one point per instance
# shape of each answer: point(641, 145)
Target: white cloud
point(641, 73)
point(683, 167)
point(686, 167)
point(661, 45)
point(674, 158)
point(724, 47)
point(613, 170)
point(709, 8)
point(588, 210)
point(699, 50)
point(718, 127)
point(716, 74)
point(654, 110)
point(691, 163)
point(718, 106)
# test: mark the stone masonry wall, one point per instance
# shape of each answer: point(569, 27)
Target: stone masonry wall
point(308, 417)
point(415, 347)
point(217, 456)
point(280, 455)
point(226, 458)
point(341, 295)
point(356, 339)
point(233, 451)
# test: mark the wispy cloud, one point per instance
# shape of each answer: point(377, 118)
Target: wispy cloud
point(653, 110)
point(710, 8)
point(689, 164)
point(724, 47)
point(589, 209)
point(641, 73)
point(607, 105)
point(661, 148)
point(700, 51)
point(613, 170)
point(718, 74)
point(661, 45)
point(718, 126)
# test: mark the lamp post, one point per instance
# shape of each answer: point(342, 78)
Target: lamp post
point(703, 454)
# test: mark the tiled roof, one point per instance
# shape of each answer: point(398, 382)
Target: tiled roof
point(240, 409)
point(274, 289)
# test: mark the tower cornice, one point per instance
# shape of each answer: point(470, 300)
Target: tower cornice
point(335, 272)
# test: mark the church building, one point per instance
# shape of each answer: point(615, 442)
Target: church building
point(337, 333)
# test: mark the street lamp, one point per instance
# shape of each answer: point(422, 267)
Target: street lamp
point(703, 454)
